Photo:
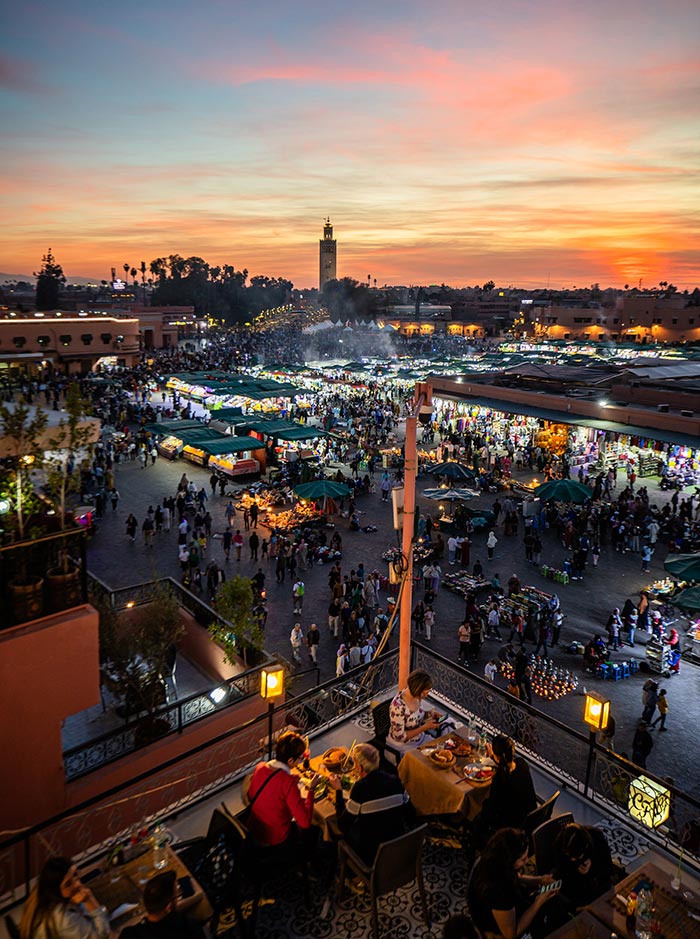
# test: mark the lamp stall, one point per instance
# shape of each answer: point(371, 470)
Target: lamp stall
point(649, 802)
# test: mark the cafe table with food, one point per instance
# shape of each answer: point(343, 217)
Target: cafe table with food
point(449, 775)
point(317, 773)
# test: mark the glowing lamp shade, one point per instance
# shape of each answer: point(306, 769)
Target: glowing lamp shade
point(272, 682)
point(649, 801)
point(597, 711)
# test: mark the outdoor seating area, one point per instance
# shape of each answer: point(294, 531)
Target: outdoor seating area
point(429, 881)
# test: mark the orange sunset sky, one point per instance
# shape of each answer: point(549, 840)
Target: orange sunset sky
point(449, 141)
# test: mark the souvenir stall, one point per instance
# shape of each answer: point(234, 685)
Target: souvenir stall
point(530, 603)
point(462, 583)
point(168, 435)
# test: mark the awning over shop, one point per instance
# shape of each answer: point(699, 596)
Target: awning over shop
point(302, 433)
point(223, 444)
point(559, 417)
point(173, 427)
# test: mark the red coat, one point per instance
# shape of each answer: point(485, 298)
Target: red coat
point(278, 805)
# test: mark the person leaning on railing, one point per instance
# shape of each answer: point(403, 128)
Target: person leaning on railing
point(62, 907)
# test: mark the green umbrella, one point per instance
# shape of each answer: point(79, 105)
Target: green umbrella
point(685, 566)
point(321, 489)
point(453, 470)
point(564, 490)
point(688, 599)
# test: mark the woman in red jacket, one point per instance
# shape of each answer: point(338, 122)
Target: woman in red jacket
point(277, 807)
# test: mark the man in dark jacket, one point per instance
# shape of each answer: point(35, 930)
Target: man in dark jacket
point(641, 745)
point(377, 808)
point(164, 918)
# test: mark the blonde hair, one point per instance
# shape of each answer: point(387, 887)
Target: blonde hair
point(366, 756)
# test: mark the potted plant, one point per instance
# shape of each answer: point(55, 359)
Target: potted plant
point(21, 430)
point(242, 636)
point(71, 437)
point(135, 651)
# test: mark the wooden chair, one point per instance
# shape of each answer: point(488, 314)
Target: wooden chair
point(380, 719)
point(543, 838)
point(540, 815)
point(398, 862)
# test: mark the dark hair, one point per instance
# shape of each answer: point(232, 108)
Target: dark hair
point(159, 892)
point(503, 750)
point(460, 926)
point(419, 681)
point(574, 843)
point(48, 893)
point(497, 862)
point(290, 746)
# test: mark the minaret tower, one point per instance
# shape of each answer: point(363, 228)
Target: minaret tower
point(327, 250)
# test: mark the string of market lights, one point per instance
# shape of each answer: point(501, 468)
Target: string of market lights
point(548, 680)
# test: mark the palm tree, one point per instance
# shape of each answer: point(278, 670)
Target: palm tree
point(142, 268)
point(126, 266)
point(134, 272)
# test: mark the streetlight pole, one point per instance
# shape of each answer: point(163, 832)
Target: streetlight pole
point(422, 396)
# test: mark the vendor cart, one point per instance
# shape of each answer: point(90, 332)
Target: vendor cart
point(660, 657)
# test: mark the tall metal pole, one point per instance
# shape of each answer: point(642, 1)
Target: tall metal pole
point(422, 397)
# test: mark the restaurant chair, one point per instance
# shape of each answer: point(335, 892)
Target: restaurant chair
point(540, 815)
point(543, 838)
point(398, 862)
point(216, 863)
point(380, 719)
point(12, 928)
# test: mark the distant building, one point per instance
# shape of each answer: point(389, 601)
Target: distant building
point(328, 252)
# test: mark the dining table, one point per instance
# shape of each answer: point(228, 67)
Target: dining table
point(324, 806)
point(582, 926)
point(120, 889)
point(437, 790)
point(676, 904)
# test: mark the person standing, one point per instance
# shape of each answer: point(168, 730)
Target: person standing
point(646, 557)
point(298, 596)
point(254, 512)
point(491, 543)
point(313, 637)
point(167, 516)
point(662, 705)
point(642, 745)
point(652, 699)
point(490, 670)
point(147, 529)
point(230, 513)
point(296, 638)
point(114, 498)
point(254, 543)
point(464, 636)
point(131, 526)
point(429, 621)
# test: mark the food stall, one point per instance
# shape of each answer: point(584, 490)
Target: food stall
point(232, 456)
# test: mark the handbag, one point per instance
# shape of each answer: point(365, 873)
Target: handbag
point(244, 815)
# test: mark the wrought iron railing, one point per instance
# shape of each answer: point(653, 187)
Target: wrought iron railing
point(92, 827)
point(88, 830)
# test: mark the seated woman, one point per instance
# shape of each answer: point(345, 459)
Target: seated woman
point(512, 793)
point(61, 907)
point(583, 864)
point(277, 810)
point(410, 721)
point(503, 901)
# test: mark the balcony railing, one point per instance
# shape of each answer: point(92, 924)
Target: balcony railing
point(43, 576)
point(87, 830)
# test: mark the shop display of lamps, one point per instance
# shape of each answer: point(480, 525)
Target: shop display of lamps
point(271, 687)
point(649, 802)
point(596, 714)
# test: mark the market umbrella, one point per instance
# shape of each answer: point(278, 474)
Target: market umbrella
point(449, 495)
point(452, 470)
point(564, 490)
point(688, 599)
point(685, 566)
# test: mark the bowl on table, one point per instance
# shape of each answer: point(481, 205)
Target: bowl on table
point(335, 759)
point(442, 758)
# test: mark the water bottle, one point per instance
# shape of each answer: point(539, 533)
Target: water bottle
point(482, 744)
point(160, 847)
point(645, 906)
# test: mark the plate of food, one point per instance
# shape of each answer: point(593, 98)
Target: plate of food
point(335, 758)
point(463, 749)
point(442, 758)
point(478, 774)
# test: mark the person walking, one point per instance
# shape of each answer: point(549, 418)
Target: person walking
point(238, 543)
point(114, 498)
point(491, 543)
point(227, 538)
point(652, 699)
point(131, 526)
point(647, 552)
point(254, 544)
point(298, 596)
point(230, 513)
point(662, 705)
point(296, 638)
point(429, 621)
point(542, 637)
point(147, 529)
point(254, 512)
point(313, 637)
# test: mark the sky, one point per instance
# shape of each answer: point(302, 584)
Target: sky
point(449, 141)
